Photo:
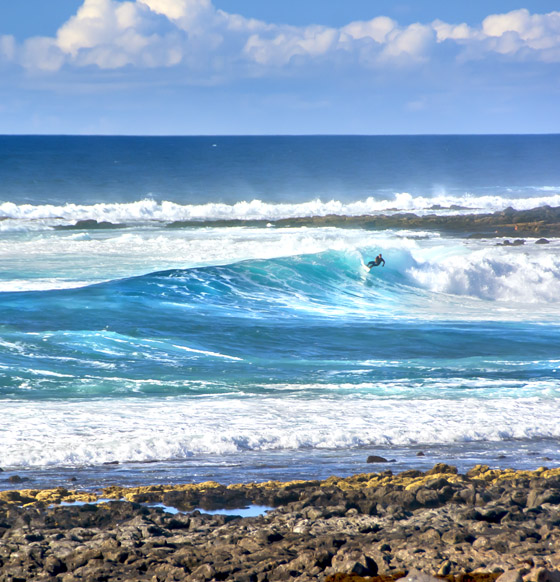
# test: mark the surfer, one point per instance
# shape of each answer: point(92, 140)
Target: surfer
point(378, 260)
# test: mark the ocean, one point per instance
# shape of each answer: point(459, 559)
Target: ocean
point(163, 341)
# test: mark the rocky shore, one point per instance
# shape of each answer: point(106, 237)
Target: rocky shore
point(481, 525)
point(534, 223)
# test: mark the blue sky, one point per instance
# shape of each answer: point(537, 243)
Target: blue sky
point(195, 67)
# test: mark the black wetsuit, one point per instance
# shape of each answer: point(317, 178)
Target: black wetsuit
point(376, 263)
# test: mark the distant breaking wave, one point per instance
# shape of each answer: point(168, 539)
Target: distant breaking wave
point(147, 211)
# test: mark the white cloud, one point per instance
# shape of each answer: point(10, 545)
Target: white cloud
point(445, 31)
point(111, 35)
point(413, 43)
point(204, 41)
point(188, 15)
point(285, 43)
point(43, 54)
point(376, 29)
point(520, 30)
point(7, 48)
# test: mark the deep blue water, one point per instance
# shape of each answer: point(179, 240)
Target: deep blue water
point(196, 170)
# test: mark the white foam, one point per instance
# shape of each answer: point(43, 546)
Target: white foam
point(147, 210)
point(75, 433)
point(527, 275)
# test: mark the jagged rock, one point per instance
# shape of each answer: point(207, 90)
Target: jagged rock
point(537, 498)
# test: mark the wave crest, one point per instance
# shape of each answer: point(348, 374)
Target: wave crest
point(147, 210)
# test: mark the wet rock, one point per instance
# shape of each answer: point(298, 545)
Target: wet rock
point(376, 459)
point(89, 224)
point(442, 468)
point(17, 479)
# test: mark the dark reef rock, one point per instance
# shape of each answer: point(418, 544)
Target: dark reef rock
point(89, 224)
point(378, 526)
point(534, 223)
point(377, 459)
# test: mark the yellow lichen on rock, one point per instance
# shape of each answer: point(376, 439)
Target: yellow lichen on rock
point(407, 480)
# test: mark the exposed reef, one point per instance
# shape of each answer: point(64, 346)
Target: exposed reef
point(537, 222)
point(472, 526)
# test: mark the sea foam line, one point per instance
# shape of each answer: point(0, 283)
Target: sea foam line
point(91, 432)
point(148, 210)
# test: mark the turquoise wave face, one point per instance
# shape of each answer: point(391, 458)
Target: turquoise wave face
point(301, 325)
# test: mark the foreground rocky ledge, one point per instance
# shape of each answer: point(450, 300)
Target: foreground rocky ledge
point(438, 522)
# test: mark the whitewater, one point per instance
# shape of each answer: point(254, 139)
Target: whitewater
point(152, 343)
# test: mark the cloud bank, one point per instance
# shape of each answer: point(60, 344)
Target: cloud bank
point(202, 41)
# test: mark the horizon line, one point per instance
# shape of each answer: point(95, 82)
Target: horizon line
point(163, 135)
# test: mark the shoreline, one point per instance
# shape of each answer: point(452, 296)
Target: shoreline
point(440, 522)
point(284, 466)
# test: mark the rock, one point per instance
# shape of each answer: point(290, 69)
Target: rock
point(442, 468)
point(89, 224)
point(428, 497)
point(376, 459)
point(445, 569)
point(417, 576)
point(454, 537)
point(542, 241)
point(537, 497)
point(542, 575)
point(54, 566)
point(353, 562)
point(510, 576)
point(202, 573)
point(465, 526)
point(17, 479)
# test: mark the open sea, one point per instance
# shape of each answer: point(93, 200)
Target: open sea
point(144, 351)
